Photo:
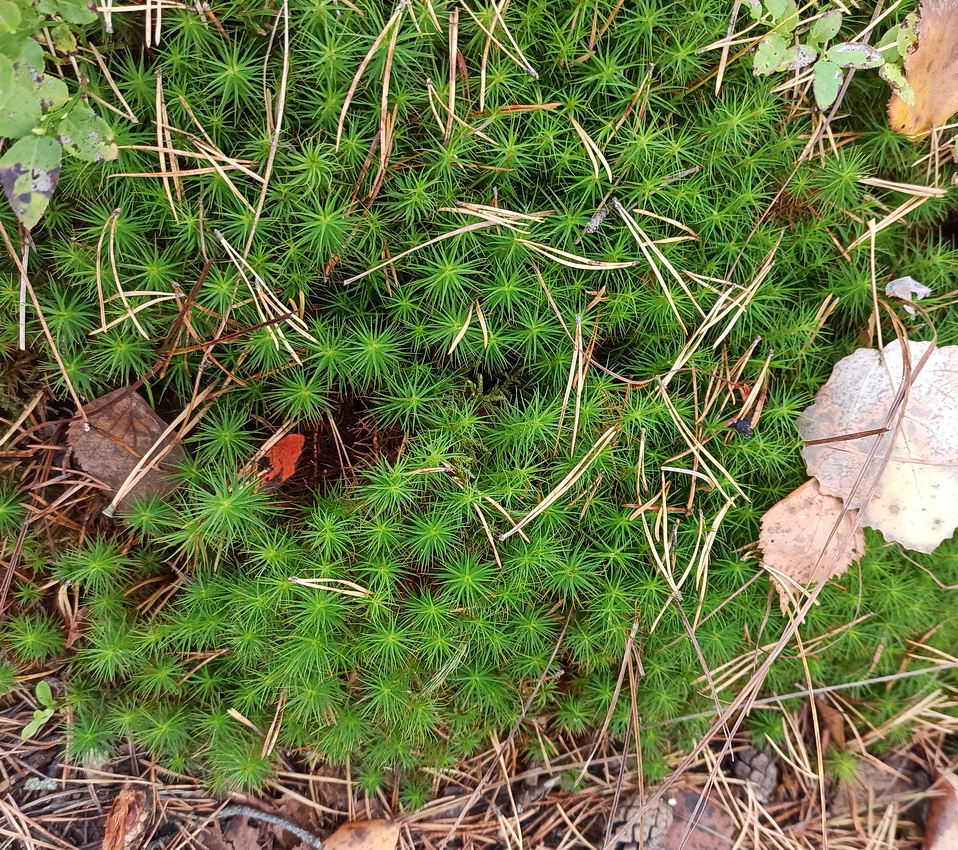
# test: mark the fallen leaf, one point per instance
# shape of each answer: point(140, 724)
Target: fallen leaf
point(240, 834)
point(805, 539)
point(909, 488)
point(276, 466)
point(875, 784)
point(126, 821)
point(123, 428)
point(364, 835)
point(932, 71)
point(699, 823)
point(941, 822)
point(907, 289)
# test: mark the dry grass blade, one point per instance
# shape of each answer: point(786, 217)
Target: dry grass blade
point(393, 21)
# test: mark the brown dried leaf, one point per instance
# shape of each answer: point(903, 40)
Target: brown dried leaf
point(364, 835)
point(931, 70)
point(700, 823)
point(941, 822)
point(795, 532)
point(240, 834)
point(126, 821)
point(123, 428)
point(913, 498)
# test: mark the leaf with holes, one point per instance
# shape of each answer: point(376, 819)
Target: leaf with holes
point(805, 538)
point(29, 171)
point(931, 69)
point(86, 135)
point(826, 27)
point(769, 54)
point(904, 480)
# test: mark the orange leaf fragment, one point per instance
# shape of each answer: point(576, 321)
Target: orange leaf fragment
point(932, 71)
point(806, 538)
point(364, 835)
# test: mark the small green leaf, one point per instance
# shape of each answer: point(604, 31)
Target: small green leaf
point(39, 718)
point(86, 135)
point(47, 7)
point(769, 54)
point(799, 56)
point(754, 9)
point(776, 8)
point(907, 35)
point(21, 111)
point(895, 77)
point(827, 81)
point(789, 20)
point(10, 16)
point(52, 93)
point(826, 27)
point(29, 172)
point(76, 12)
point(44, 694)
point(64, 41)
point(854, 54)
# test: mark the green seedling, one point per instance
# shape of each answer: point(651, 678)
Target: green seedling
point(40, 716)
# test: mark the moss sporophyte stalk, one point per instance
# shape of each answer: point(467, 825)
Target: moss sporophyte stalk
point(515, 408)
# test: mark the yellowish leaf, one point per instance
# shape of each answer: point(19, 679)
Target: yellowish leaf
point(364, 835)
point(931, 70)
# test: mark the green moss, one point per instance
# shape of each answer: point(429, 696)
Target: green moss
point(455, 367)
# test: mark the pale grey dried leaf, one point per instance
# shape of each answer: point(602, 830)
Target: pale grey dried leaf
point(909, 476)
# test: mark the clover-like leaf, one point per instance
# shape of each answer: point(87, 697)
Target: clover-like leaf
point(826, 27)
point(76, 12)
point(906, 34)
point(776, 8)
point(86, 135)
point(826, 82)
point(769, 55)
point(64, 41)
point(29, 172)
point(903, 481)
point(854, 54)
